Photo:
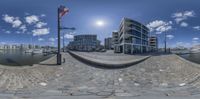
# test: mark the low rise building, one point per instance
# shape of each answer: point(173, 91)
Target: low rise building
point(153, 43)
point(7, 47)
point(108, 44)
point(115, 41)
point(87, 42)
point(24, 46)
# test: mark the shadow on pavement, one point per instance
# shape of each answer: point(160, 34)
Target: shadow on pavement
point(104, 66)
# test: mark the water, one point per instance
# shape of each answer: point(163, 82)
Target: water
point(20, 58)
point(192, 57)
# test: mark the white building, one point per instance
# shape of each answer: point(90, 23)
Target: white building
point(153, 43)
point(132, 37)
point(108, 44)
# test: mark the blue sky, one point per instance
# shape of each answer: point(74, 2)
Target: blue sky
point(34, 21)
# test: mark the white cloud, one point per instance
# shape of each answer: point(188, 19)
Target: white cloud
point(23, 28)
point(159, 26)
point(40, 24)
point(189, 13)
point(3, 43)
point(26, 13)
point(32, 19)
point(52, 39)
point(38, 32)
point(7, 32)
point(40, 39)
point(170, 36)
point(195, 42)
point(43, 15)
point(12, 20)
point(8, 19)
point(179, 43)
point(181, 16)
point(37, 25)
point(195, 38)
point(196, 27)
point(16, 23)
point(184, 24)
point(69, 36)
point(18, 32)
point(184, 44)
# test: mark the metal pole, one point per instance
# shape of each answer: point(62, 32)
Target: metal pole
point(165, 43)
point(58, 54)
point(63, 42)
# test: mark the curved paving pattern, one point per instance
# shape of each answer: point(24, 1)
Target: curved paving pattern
point(163, 75)
point(108, 60)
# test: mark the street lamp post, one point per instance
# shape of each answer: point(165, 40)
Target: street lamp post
point(58, 54)
point(62, 10)
point(165, 43)
point(63, 42)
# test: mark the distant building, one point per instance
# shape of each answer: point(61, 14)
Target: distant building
point(7, 47)
point(108, 44)
point(132, 37)
point(31, 46)
point(37, 47)
point(13, 46)
point(1, 47)
point(84, 43)
point(153, 43)
point(115, 41)
point(24, 46)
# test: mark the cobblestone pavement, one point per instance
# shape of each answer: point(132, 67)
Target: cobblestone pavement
point(163, 75)
point(109, 56)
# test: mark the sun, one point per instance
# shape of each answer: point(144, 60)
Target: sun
point(100, 23)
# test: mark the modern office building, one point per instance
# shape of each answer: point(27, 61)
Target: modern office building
point(115, 40)
point(115, 37)
point(108, 44)
point(84, 43)
point(132, 37)
point(153, 43)
point(24, 47)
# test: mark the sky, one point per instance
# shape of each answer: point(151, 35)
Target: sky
point(35, 21)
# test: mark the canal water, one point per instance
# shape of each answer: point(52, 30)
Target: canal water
point(20, 58)
point(195, 57)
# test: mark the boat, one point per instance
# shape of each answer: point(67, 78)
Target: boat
point(37, 51)
point(29, 51)
point(195, 49)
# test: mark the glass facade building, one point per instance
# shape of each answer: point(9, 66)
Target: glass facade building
point(84, 43)
point(132, 37)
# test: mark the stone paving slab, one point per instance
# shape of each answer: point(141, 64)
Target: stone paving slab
point(114, 63)
point(97, 97)
point(164, 76)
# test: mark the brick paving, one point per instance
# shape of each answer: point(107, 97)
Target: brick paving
point(163, 75)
